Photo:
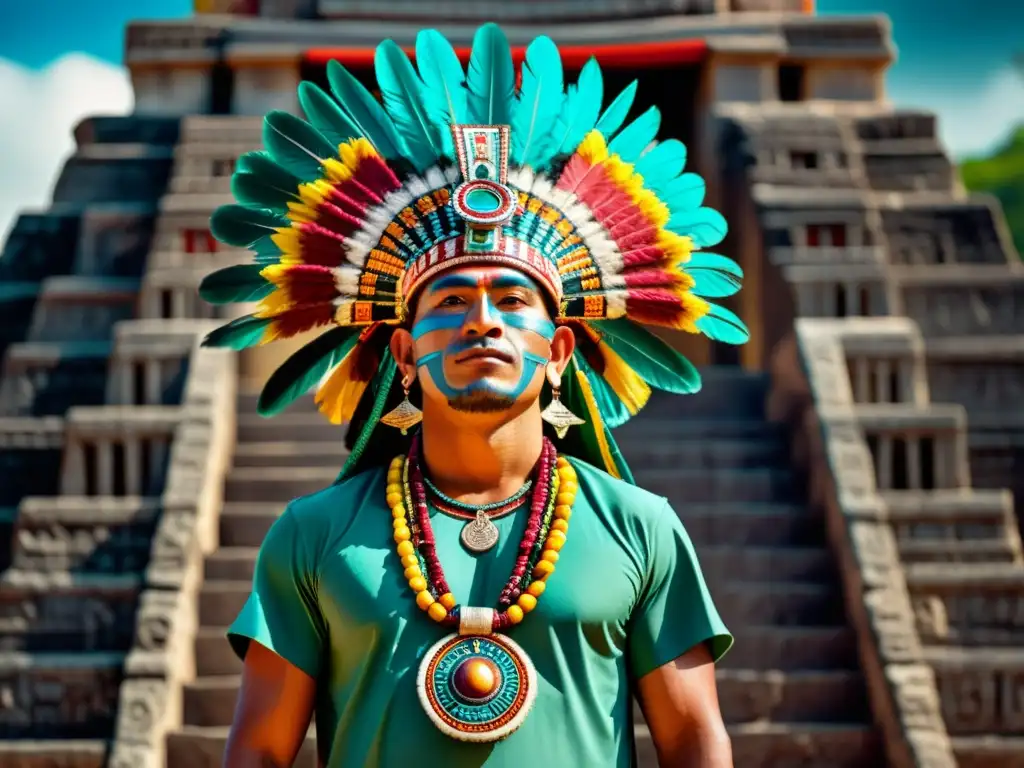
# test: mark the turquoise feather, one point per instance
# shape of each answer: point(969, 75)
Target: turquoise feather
point(250, 161)
point(402, 91)
point(721, 324)
point(445, 95)
point(662, 165)
point(581, 109)
point(296, 145)
point(617, 111)
point(239, 334)
point(656, 362)
point(262, 164)
point(255, 189)
point(325, 115)
point(242, 226)
point(705, 226)
point(632, 140)
point(540, 102)
point(365, 112)
point(304, 369)
point(714, 276)
point(379, 387)
point(239, 283)
point(683, 193)
point(613, 410)
point(491, 79)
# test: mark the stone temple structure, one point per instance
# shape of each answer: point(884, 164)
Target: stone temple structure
point(849, 476)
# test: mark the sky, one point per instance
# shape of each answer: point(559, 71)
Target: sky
point(61, 60)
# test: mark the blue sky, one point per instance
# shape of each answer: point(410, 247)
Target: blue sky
point(60, 60)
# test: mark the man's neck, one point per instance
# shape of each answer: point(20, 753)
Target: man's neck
point(480, 464)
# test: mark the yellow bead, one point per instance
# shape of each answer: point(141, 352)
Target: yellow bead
point(565, 499)
point(394, 476)
point(527, 602)
point(536, 588)
point(447, 600)
point(548, 555)
point(569, 486)
point(409, 561)
point(543, 569)
point(417, 584)
point(563, 511)
point(515, 614)
point(554, 543)
point(398, 461)
point(406, 548)
point(424, 600)
point(437, 612)
point(393, 488)
point(566, 472)
point(413, 571)
point(398, 522)
point(402, 534)
point(561, 461)
point(560, 525)
point(394, 499)
point(398, 511)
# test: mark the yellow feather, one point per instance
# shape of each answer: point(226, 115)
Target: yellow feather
point(593, 148)
point(595, 419)
point(676, 247)
point(287, 239)
point(338, 397)
point(627, 385)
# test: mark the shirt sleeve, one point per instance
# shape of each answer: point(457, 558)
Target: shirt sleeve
point(282, 612)
point(675, 611)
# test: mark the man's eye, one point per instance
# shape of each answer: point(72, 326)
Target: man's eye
point(512, 301)
point(451, 301)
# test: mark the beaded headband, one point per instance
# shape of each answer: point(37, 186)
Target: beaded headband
point(353, 210)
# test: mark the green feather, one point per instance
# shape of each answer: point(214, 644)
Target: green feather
point(581, 110)
point(706, 226)
point(539, 104)
point(613, 411)
point(721, 324)
point(325, 115)
point(615, 115)
point(582, 441)
point(662, 165)
point(655, 361)
point(240, 283)
point(239, 334)
point(445, 94)
point(683, 193)
point(715, 276)
point(632, 140)
point(304, 369)
point(365, 112)
point(379, 389)
point(402, 91)
point(242, 226)
point(296, 145)
point(258, 190)
point(491, 80)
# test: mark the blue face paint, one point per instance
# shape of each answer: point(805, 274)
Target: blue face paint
point(434, 363)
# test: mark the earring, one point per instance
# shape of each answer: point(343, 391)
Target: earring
point(556, 414)
point(405, 415)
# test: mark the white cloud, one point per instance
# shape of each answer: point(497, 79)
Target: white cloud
point(973, 122)
point(40, 109)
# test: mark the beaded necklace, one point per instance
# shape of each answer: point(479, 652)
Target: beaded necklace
point(480, 533)
point(478, 685)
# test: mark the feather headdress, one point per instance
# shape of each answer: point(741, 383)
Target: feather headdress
point(351, 210)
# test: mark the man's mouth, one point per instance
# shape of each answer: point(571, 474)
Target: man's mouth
point(485, 354)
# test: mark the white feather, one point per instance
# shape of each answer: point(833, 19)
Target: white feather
point(616, 303)
point(346, 280)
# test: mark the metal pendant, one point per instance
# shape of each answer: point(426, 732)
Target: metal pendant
point(479, 535)
point(476, 687)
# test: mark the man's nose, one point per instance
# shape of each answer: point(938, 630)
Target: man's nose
point(483, 319)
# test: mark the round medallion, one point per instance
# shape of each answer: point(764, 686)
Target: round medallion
point(479, 534)
point(477, 687)
point(484, 202)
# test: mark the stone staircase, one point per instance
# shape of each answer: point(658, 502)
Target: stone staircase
point(790, 689)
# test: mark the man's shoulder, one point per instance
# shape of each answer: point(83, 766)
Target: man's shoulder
point(337, 503)
point(615, 495)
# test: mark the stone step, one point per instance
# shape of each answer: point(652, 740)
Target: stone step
point(220, 602)
point(958, 550)
point(231, 564)
point(751, 525)
point(280, 484)
point(53, 753)
point(752, 563)
point(287, 426)
point(988, 751)
point(791, 648)
point(832, 696)
point(685, 485)
point(246, 404)
point(742, 603)
point(198, 747)
point(661, 452)
point(789, 745)
point(214, 655)
point(643, 427)
point(291, 454)
point(210, 701)
point(246, 524)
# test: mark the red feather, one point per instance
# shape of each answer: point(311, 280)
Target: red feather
point(319, 245)
point(300, 320)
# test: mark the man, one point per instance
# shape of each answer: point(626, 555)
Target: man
point(467, 594)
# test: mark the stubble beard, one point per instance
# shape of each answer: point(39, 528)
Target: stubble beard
point(482, 400)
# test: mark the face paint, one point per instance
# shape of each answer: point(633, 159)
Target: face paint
point(484, 393)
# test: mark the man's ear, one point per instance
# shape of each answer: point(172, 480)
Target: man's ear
point(562, 346)
point(405, 356)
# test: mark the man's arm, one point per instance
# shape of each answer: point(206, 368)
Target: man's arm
point(680, 703)
point(275, 704)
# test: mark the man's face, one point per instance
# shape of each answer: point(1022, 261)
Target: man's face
point(481, 339)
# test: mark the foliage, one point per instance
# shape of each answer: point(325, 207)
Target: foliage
point(1002, 175)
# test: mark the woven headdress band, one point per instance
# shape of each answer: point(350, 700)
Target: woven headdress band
point(352, 210)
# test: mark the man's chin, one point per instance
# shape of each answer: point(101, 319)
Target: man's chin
point(482, 400)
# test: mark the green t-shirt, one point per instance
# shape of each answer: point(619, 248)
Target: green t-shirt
point(330, 597)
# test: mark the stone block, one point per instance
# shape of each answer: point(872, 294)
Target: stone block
point(820, 696)
point(826, 745)
point(30, 456)
point(742, 604)
point(82, 308)
point(220, 602)
point(231, 564)
point(127, 129)
point(47, 378)
point(742, 524)
point(62, 753)
point(291, 454)
point(288, 426)
point(701, 486)
point(280, 484)
point(802, 648)
point(758, 563)
point(989, 751)
point(214, 655)
point(39, 246)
